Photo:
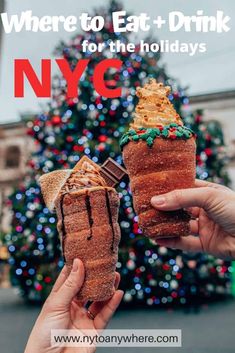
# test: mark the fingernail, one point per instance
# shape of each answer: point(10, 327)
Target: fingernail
point(158, 200)
point(75, 265)
point(121, 292)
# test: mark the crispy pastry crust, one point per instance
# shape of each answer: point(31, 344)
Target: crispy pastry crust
point(166, 166)
point(51, 184)
point(89, 230)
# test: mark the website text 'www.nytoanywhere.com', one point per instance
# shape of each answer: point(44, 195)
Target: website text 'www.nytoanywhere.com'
point(116, 338)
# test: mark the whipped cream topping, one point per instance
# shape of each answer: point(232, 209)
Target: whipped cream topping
point(154, 107)
point(86, 177)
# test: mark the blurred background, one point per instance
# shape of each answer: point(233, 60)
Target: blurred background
point(163, 288)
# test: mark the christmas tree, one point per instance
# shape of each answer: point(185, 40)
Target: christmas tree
point(92, 125)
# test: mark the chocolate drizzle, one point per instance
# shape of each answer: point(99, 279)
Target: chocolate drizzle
point(110, 217)
point(62, 225)
point(90, 220)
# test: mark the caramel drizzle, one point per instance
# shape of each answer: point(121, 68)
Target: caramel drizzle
point(90, 219)
point(110, 218)
point(154, 107)
point(86, 177)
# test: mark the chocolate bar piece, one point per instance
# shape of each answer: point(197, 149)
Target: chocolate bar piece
point(112, 172)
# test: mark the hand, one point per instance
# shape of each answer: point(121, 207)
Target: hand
point(62, 311)
point(212, 207)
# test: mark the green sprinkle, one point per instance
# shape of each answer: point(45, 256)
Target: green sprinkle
point(179, 133)
point(132, 132)
point(150, 141)
point(165, 132)
point(186, 134)
point(149, 135)
point(144, 136)
point(125, 139)
point(152, 132)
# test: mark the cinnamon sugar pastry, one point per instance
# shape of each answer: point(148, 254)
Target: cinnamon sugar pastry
point(159, 154)
point(87, 211)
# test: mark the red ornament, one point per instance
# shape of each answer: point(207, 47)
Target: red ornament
point(98, 100)
point(111, 83)
point(31, 164)
point(24, 248)
point(38, 287)
point(117, 77)
point(101, 147)
point(77, 148)
point(30, 132)
point(136, 83)
point(56, 120)
point(198, 119)
point(208, 137)
point(224, 269)
point(102, 138)
point(112, 112)
point(69, 138)
point(47, 280)
point(71, 101)
point(199, 161)
point(135, 228)
point(166, 267)
point(208, 152)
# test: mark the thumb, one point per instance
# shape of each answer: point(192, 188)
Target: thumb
point(72, 284)
point(177, 199)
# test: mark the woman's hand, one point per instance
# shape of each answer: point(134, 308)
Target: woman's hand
point(213, 209)
point(62, 311)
